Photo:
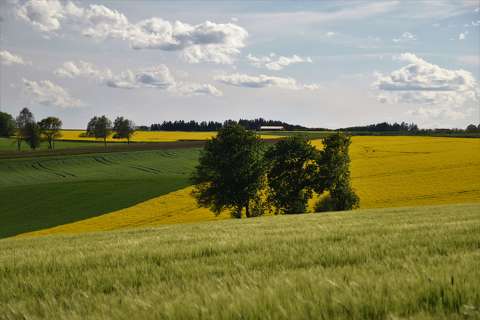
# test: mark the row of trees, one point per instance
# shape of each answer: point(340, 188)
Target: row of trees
point(27, 130)
point(192, 125)
point(102, 128)
point(237, 172)
point(385, 127)
point(410, 128)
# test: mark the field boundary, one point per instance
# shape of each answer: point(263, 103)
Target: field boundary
point(114, 147)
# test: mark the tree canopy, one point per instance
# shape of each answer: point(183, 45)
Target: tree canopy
point(24, 118)
point(334, 174)
point(100, 128)
point(7, 125)
point(229, 173)
point(290, 174)
point(123, 128)
point(50, 128)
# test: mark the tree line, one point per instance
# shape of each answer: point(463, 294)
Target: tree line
point(102, 128)
point(384, 127)
point(239, 173)
point(255, 124)
point(25, 129)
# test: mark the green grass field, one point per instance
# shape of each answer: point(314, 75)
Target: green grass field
point(10, 145)
point(403, 263)
point(38, 193)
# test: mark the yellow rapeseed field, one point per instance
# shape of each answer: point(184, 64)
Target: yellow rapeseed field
point(148, 136)
point(386, 172)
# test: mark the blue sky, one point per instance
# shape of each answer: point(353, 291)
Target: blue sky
point(321, 64)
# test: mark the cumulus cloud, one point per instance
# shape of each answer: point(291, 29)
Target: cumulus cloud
point(275, 62)
point(263, 81)
point(405, 37)
point(443, 92)
point(47, 15)
point(49, 94)
point(462, 35)
point(158, 77)
point(153, 77)
point(8, 59)
point(71, 69)
point(207, 41)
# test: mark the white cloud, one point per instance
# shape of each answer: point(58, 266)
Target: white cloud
point(82, 69)
point(263, 81)
point(154, 77)
point(207, 41)
point(405, 37)
point(47, 15)
point(442, 91)
point(198, 89)
point(330, 34)
point(49, 94)
point(274, 62)
point(158, 77)
point(8, 59)
point(462, 35)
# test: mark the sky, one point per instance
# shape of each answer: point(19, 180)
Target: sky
point(316, 63)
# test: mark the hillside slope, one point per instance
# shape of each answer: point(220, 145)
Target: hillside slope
point(415, 263)
point(39, 193)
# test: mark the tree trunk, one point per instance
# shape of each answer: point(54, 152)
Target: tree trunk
point(105, 142)
point(50, 146)
point(19, 143)
point(247, 210)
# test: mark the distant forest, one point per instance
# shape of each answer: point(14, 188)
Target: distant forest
point(255, 124)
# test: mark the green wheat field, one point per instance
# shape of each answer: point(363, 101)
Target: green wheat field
point(398, 263)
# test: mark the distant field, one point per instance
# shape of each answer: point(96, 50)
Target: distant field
point(411, 171)
point(39, 193)
point(149, 136)
point(386, 172)
point(404, 263)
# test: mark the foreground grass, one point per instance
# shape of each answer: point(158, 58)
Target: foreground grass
point(415, 263)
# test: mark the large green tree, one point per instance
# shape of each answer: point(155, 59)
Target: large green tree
point(50, 129)
point(100, 128)
point(229, 173)
point(334, 175)
point(7, 125)
point(291, 171)
point(123, 128)
point(24, 118)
